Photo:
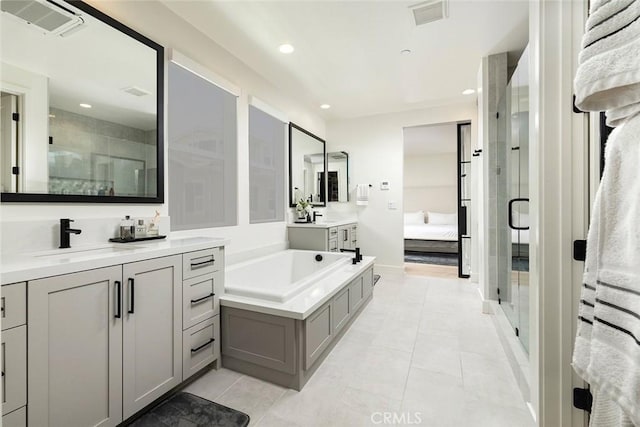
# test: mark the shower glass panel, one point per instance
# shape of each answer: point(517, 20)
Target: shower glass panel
point(513, 264)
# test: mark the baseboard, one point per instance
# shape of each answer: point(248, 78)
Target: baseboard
point(389, 270)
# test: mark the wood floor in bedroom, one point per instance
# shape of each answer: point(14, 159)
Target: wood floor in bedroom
point(431, 270)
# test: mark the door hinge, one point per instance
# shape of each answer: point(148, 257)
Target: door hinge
point(497, 115)
point(517, 332)
point(50, 140)
point(498, 291)
point(499, 300)
point(15, 170)
point(580, 250)
point(582, 399)
point(15, 117)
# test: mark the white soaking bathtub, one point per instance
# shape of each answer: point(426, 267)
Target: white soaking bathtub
point(281, 276)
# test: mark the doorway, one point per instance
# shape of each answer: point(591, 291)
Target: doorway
point(436, 239)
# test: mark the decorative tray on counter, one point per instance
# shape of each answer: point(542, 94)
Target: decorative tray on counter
point(140, 239)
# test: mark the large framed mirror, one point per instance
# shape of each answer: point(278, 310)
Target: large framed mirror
point(338, 176)
point(307, 166)
point(82, 106)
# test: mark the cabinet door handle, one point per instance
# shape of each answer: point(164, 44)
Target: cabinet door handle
point(200, 347)
point(201, 264)
point(195, 301)
point(132, 295)
point(4, 313)
point(118, 287)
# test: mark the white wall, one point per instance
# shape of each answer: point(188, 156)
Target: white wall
point(155, 21)
point(430, 183)
point(375, 147)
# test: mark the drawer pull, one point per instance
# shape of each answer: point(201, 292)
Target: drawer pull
point(132, 293)
point(2, 308)
point(201, 264)
point(118, 287)
point(195, 301)
point(197, 349)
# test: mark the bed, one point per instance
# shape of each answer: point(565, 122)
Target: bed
point(439, 235)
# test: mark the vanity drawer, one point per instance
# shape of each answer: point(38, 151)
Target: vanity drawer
point(202, 262)
point(333, 245)
point(333, 233)
point(17, 418)
point(200, 298)
point(14, 368)
point(201, 346)
point(13, 305)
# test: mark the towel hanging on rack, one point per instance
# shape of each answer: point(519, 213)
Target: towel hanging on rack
point(362, 194)
point(607, 345)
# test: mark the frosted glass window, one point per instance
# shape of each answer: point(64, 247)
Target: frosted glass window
point(202, 129)
point(267, 136)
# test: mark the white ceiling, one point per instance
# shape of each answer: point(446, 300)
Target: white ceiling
point(427, 140)
point(347, 53)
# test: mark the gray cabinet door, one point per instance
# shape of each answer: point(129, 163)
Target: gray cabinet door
point(152, 330)
point(13, 305)
point(14, 368)
point(344, 237)
point(75, 349)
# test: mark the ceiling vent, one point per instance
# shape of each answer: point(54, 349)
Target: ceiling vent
point(136, 91)
point(47, 16)
point(429, 11)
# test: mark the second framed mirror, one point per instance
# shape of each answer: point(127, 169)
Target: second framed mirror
point(307, 166)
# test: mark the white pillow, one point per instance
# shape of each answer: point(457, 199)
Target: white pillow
point(442, 218)
point(414, 217)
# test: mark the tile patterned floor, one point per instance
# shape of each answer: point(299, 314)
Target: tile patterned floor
point(421, 353)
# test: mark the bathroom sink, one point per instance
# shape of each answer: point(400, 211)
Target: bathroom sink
point(84, 251)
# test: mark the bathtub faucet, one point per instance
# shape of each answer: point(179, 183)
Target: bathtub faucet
point(358, 256)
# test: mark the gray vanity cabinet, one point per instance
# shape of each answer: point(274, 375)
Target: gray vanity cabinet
point(152, 330)
point(14, 354)
point(323, 237)
point(75, 349)
point(104, 343)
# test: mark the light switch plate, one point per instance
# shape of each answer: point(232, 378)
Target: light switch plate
point(384, 185)
point(392, 205)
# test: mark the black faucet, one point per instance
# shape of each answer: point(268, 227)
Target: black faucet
point(65, 231)
point(315, 215)
point(357, 257)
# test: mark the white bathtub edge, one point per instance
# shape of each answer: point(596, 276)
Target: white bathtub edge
point(302, 305)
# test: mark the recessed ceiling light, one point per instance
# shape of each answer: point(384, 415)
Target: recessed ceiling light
point(325, 106)
point(85, 105)
point(468, 91)
point(286, 48)
point(405, 51)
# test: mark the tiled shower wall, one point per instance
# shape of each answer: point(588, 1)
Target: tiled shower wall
point(77, 139)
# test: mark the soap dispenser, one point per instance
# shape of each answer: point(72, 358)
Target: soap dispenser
point(127, 229)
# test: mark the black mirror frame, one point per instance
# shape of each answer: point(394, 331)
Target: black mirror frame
point(81, 198)
point(292, 203)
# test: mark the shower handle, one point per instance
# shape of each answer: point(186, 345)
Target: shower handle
point(510, 208)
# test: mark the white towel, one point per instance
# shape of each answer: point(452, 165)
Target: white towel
point(362, 194)
point(607, 347)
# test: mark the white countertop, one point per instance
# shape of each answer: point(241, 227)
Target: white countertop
point(308, 301)
point(326, 224)
point(20, 267)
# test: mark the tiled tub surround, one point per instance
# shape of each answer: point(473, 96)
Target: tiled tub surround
point(281, 330)
point(136, 319)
